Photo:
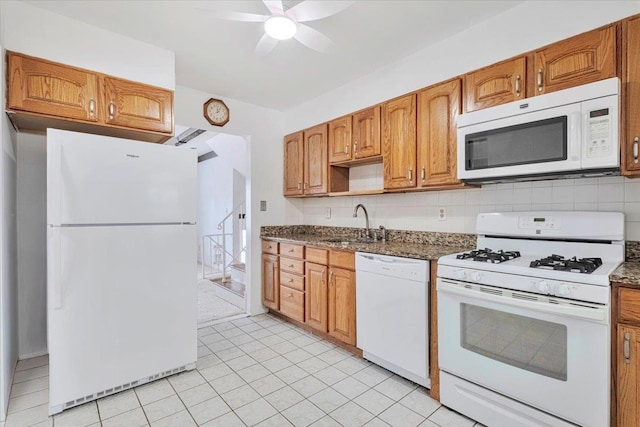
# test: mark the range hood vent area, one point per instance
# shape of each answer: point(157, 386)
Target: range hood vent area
point(188, 135)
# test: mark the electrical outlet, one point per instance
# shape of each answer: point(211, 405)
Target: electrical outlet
point(263, 205)
point(327, 213)
point(442, 214)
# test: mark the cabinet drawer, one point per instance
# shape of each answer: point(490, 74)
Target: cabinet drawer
point(291, 280)
point(629, 304)
point(292, 303)
point(342, 259)
point(318, 256)
point(295, 266)
point(269, 247)
point(293, 251)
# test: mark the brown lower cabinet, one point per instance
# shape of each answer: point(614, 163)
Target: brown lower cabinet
point(625, 337)
point(313, 286)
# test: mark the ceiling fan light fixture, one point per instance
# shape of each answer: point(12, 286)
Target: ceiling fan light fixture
point(280, 27)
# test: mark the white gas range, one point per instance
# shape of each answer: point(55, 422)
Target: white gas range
point(524, 321)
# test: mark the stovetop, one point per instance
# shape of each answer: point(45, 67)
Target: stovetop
point(488, 255)
point(573, 264)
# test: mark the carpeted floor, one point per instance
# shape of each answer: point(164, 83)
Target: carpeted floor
point(210, 306)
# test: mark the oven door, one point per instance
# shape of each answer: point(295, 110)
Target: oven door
point(548, 353)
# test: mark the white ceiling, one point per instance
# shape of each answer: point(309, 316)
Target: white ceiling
point(217, 56)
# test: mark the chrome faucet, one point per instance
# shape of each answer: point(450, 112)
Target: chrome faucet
point(366, 217)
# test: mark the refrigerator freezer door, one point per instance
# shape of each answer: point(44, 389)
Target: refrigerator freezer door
point(94, 179)
point(121, 306)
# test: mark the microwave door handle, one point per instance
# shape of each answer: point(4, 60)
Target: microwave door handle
point(587, 313)
point(575, 153)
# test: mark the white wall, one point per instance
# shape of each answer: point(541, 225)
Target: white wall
point(8, 261)
point(38, 32)
point(520, 29)
point(32, 244)
point(215, 182)
point(263, 128)
point(34, 31)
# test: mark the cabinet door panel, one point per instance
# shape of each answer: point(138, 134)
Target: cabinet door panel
point(628, 381)
point(342, 305)
point(293, 164)
point(582, 59)
point(270, 282)
point(316, 166)
point(44, 87)
point(366, 133)
point(631, 106)
point(316, 312)
point(139, 106)
point(340, 139)
point(497, 84)
point(438, 109)
point(399, 142)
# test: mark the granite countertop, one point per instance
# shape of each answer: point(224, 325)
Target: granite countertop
point(628, 274)
point(426, 251)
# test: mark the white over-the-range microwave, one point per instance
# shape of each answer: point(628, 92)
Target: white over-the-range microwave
point(570, 132)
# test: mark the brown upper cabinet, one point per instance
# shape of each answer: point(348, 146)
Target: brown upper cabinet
point(293, 164)
point(316, 165)
point(45, 94)
point(630, 131)
point(355, 137)
point(340, 146)
point(496, 84)
point(438, 110)
point(399, 142)
point(578, 60)
point(137, 106)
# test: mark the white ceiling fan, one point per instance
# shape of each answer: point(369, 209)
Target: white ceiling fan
point(284, 24)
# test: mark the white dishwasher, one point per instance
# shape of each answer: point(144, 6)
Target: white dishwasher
point(392, 314)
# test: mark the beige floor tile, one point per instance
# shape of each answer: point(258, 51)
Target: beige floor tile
point(255, 412)
point(330, 375)
point(30, 386)
point(419, 401)
point(401, 416)
point(163, 408)
point(186, 380)
point(227, 383)
point(209, 410)
point(377, 422)
point(312, 365)
point(351, 415)
point(276, 364)
point(27, 401)
point(372, 375)
point(303, 414)
point(394, 389)
point(241, 362)
point(326, 421)
point(328, 400)
point(228, 420)
point(117, 404)
point(79, 416)
point(198, 394)
point(373, 401)
point(291, 374)
point(447, 418)
point(276, 421)
point(28, 417)
point(308, 386)
point(31, 374)
point(350, 387)
point(240, 396)
point(217, 371)
point(284, 398)
point(154, 391)
point(180, 419)
point(253, 373)
point(298, 355)
point(33, 362)
point(134, 418)
point(267, 385)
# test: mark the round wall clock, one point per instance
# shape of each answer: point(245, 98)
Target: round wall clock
point(216, 112)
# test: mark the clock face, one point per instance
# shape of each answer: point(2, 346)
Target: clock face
point(216, 112)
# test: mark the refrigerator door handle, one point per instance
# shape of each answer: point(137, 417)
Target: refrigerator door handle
point(56, 288)
point(54, 172)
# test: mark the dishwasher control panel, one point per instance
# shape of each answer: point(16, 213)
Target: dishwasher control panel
point(398, 267)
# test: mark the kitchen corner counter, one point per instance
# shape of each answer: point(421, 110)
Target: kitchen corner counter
point(422, 245)
point(627, 274)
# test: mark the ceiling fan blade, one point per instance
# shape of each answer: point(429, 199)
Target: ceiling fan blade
point(312, 10)
point(236, 16)
point(313, 39)
point(265, 45)
point(274, 6)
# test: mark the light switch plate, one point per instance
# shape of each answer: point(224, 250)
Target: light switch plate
point(263, 205)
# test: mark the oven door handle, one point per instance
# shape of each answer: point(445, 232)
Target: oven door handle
point(599, 314)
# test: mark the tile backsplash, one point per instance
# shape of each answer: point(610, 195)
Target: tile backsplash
point(419, 211)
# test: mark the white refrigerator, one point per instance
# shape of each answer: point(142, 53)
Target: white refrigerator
point(121, 264)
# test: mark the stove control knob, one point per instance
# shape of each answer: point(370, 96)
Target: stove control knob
point(461, 274)
point(543, 286)
point(476, 276)
point(563, 290)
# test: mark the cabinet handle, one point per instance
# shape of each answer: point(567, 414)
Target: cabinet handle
point(540, 80)
point(635, 150)
point(346, 148)
point(112, 108)
point(355, 147)
point(299, 185)
point(92, 107)
point(305, 185)
point(410, 174)
point(291, 250)
point(518, 85)
point(290, 280)
point(290, 265)
point(422, 174)
point(627, 347)
point(331, 278)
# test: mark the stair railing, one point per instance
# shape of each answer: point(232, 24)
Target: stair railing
point(239, 214)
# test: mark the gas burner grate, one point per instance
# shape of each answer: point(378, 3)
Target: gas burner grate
point(574, 265)
point(488, 255)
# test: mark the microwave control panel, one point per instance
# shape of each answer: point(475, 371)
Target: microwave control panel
point(598, 133)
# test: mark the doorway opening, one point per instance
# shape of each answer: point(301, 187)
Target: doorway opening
point(222, 190)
